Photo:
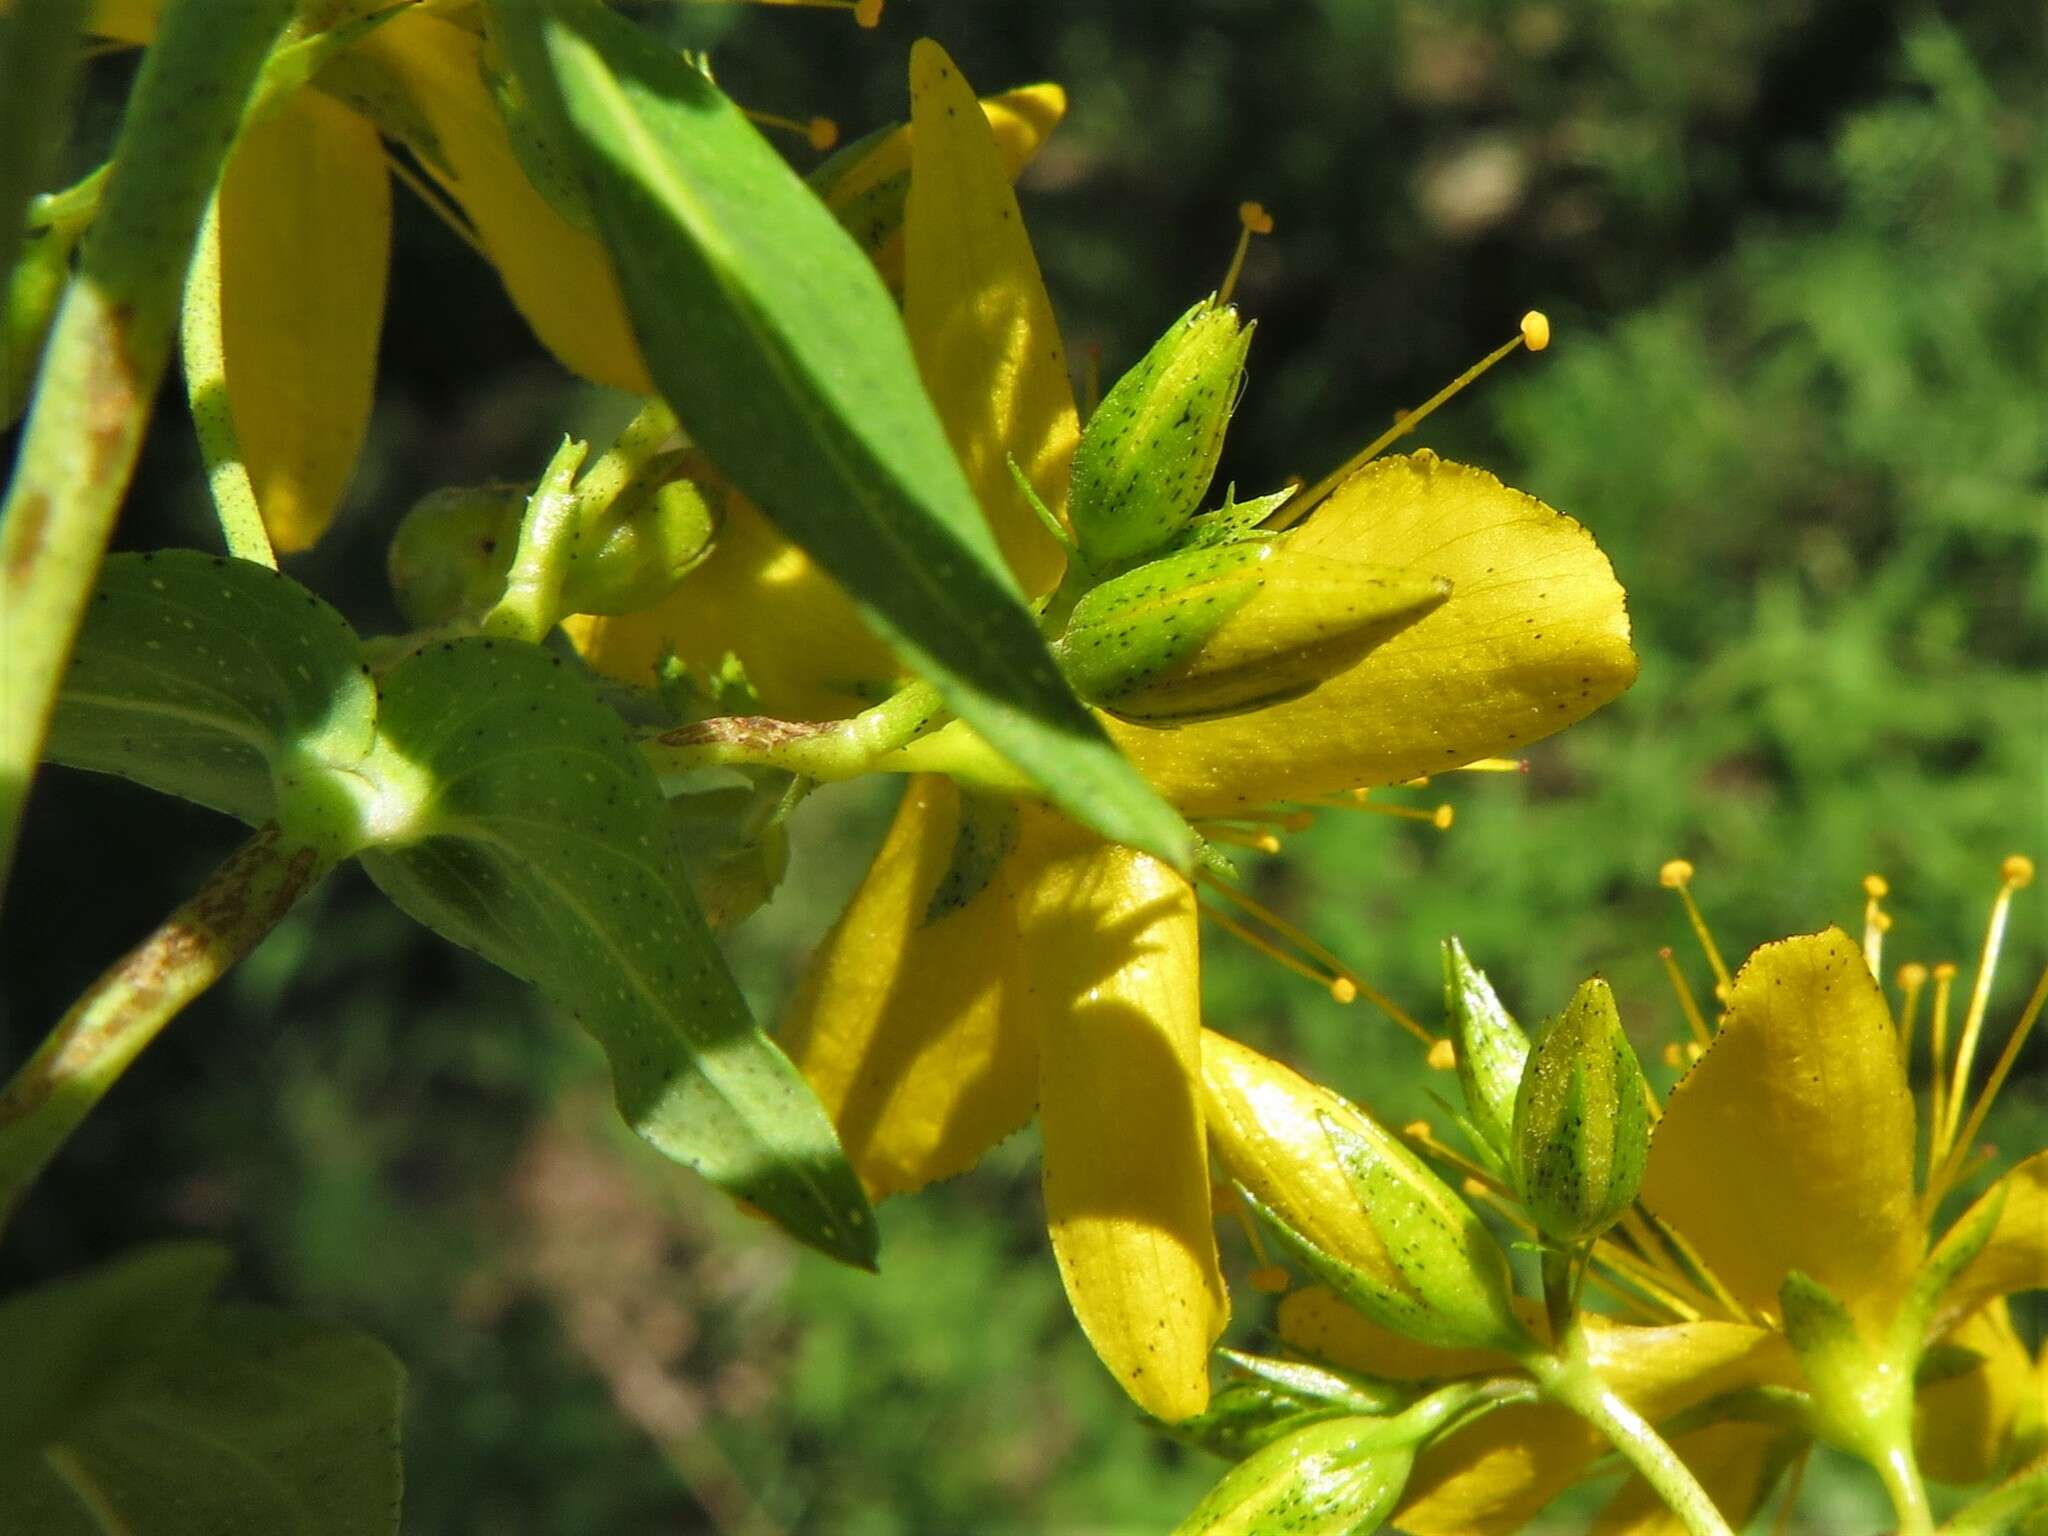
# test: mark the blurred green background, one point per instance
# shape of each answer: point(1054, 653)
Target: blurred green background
point(1797, 260)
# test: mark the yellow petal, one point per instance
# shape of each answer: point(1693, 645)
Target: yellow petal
point(920, 1034)
point(1126, 1173)
point(869, 196)
point(762, 599)
point(979, 319)
point(1965, 1425)
point(1496, 1476)
point(1735, 1463)
point(1315, 1321)
point(1790, 1144)
point(305, 240)
point(1534, 637)
point(2016, 1257)
point(560, 278)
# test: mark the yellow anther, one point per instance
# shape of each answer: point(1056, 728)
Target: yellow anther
point(1672, 1058)
point(819, 132)
point(1496, 765)
point(1443, 1056)
point(1476, 1188)
point(1417, 1130)
point(1945, 971)
point(1675, 875)
point(1876, 922)
point(1252, 219)
point(1344, 989)
point(1912, 974)
point(1445, 815)
point(1270, 1279)
point(824, 133)
point(2017, 871)
point(1694, 1050)
point(867, 13)
point(1876, 887)
point(1535, 330)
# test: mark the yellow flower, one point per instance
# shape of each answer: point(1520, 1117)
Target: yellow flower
point(1789, 1147)
point(305, 236)
point(998, 959)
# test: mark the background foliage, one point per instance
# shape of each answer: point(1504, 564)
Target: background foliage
point(1794, 257)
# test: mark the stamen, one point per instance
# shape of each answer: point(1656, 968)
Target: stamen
point(1424, 1138)
point(1239, 837)
point(1937, 1049)
point(1875, 922)
point(1619, 1264)
point(1534, 334)
point(1704, 1272)
point(1496, 765)
point(2016, 873)
point(821, 132)
point(1687, 1003)
point(1676, 875)
point(1442, 1057)
point(1441, 817)
point(1912, 979)
point(1309, 959)
point(1952, 1172)
point(1252, 219)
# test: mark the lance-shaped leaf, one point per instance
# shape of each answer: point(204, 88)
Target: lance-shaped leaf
point(130, 1405)
point(216, 680)
point(815, 409)
point(540, 840)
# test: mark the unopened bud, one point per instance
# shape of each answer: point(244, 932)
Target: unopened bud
point(1148, 453)
point(657, 537)
point(450, 555)
point(1581, 1130)
point(1355, 1205)
point(1233, 627)
point(1491, 1049)
point(1333, 1475)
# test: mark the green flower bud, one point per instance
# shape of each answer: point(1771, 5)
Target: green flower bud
point(658, 535)
point(452, 551)
point(1148, 453)
point(1582, 1122)
point(1340, 1475)
point(1491, 1050)
point(1355, 1205)
point(1219, 630)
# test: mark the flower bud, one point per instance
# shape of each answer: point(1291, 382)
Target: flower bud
point(451, 553)
point(1336, 1475)
point(1491, 1049)
point(1358, 1208)
point(1582, 1122)
point(1268, 1399)
point(1148, 453)
point(660, 531)
point(1219, 630)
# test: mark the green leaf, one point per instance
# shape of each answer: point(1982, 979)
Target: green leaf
point(183, 1421)
point(541, 841)
point(815, 408)
point(209, 678)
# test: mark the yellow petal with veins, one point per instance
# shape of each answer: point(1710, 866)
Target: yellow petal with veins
point(1964, 1425)
point(560, 278)
point(305, 237)
point(1113, 965)
point(762, 599)
point(1497, 1475)
point(1790, 1144)
point(2016, 1257)
point(980, 323)
point(920, 1033)
point(1533, 637)
point(1735, 1463)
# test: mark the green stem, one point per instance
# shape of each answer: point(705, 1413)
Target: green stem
point(2002, 1509)
point(532, 601)
point(107, 352)
point(631, 451)
point(1900, 1473)
point(138, 994)
point(1568, 1379)
point(828, 750)
point(204, 350)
